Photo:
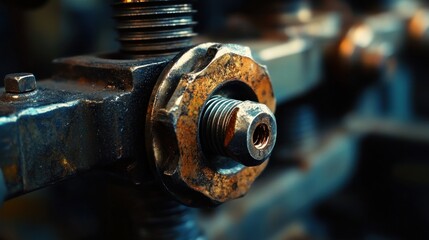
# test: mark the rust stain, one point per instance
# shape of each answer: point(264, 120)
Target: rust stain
point(198, 176)
point(184, 108)
point(230, 128)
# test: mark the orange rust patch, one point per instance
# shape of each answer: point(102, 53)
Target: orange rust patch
point(230, 129)
point(181, 98)
point(198, 176)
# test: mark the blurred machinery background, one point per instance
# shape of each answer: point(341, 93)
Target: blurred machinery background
point(351, 158)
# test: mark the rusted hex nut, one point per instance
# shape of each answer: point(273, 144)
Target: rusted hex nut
point(19, 82)
point(209, 127)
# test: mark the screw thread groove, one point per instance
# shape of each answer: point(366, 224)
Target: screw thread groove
point(154, 27)
point(216, 117)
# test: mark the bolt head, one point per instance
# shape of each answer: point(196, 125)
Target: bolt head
point(19, 82)
point(251, 134)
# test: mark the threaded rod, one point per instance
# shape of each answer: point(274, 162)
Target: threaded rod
point(216, 118)
point(153, 27)
point(242, 130)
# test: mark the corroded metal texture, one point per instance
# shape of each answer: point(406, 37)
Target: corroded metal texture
point(90, 114)
point(174, 118)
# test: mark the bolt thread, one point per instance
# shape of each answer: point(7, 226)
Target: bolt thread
point(154, 27)
point(216, 117)
point(163, 218)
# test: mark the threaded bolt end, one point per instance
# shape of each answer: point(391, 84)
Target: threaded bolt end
point(243, 130)
point(217, 116)
point(153, 27)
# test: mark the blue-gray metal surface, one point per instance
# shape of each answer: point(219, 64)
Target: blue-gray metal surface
point(90, 114)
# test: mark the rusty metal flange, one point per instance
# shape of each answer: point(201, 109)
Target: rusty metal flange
point(173, 135)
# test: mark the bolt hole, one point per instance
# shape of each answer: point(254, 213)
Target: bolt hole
point(261, 136)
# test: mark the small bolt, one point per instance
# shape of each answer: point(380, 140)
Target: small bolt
point(19, 82)
point(243, 130)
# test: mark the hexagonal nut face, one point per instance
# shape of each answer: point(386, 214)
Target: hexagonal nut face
point(185, 168)
point(254, 134)
point(19, 82)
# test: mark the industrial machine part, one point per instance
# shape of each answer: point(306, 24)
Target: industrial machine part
point(219, 145)
point(153, 28)
point(116, 93)
point(364, 55)
point(205, 114)
point(20, 83)
point(321, 63)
